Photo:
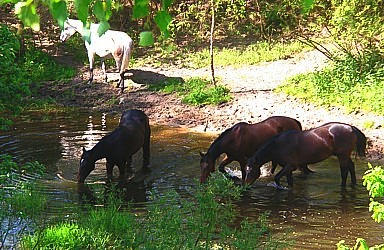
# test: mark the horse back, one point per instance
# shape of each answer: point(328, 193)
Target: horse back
point(283, 123)
point(126, 140)
point(261, 132)
point(134, 114)
point(347, 137)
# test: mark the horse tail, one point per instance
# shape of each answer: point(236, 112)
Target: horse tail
point(127, 53)
point(361, 143)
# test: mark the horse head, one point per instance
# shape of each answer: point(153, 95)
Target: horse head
point(206, 166)
point(67, 31)
point(252, 169)
point(87, 165)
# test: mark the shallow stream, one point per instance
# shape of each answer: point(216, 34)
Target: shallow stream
point(316, 213)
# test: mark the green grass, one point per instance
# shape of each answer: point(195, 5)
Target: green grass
point(195, 91)
point(236, 56)
point(250, 55)
point(344, 83)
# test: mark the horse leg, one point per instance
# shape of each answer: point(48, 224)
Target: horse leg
point(104, 70)
point(305, 170)
point(127, 166)
point(273, 168)
point(91, 61)
point(146, 148)
point(287, 171)
point(121, 82)
point(289, 179)
point(352, 172)
point(344, 168)
point(109, 167)
point(224, 163)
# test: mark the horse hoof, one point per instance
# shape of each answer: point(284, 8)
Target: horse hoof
point(277, 186)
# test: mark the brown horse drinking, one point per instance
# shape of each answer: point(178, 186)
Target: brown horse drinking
point(292, 149)
point(119, 146)
point(241, 141)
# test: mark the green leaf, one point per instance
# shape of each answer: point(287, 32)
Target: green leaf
point(82, 9)
point(26, 12)
point(167, 4)
point(140, 9)
point(306, 6)
point(58, 9)
point(87, 34)
point(98, 10)
point(107, 9)
point(146, 38)
point(103, 27)
point(162, 19)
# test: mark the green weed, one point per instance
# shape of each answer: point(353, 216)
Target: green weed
point(195, 91)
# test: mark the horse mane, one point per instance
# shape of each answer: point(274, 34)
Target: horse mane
point(270, 141)
point(220, 137)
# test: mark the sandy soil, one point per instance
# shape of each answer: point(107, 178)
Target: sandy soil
point(251, 88)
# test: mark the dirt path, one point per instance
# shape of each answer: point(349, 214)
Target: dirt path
point(253, 99)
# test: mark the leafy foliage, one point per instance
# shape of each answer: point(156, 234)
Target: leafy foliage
point(100, 9)
point(373, 179)
point(22, 74)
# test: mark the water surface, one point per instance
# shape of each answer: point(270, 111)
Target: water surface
point(316, 213)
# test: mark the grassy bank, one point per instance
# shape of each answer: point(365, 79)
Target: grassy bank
point(345, 83)
point(23, 72)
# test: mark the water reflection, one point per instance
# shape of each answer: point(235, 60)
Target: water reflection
point(316, 211)
point(127, 190)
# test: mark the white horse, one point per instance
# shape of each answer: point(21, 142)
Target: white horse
point(112, 43)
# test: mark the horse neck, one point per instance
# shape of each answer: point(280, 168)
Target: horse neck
point(215, 151)
point(98, 151)
point(77, 24)
point(267, 151)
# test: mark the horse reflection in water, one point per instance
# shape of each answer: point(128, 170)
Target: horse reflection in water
point(132, 190)
point(111, 44)
point(119, 146)
point(241, 141)
point(292, 149)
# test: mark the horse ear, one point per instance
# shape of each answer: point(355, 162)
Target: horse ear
point(84, 150)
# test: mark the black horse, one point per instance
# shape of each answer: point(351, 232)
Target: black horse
point(118, 146)
point(294, 148)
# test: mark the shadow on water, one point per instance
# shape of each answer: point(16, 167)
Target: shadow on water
point(316, 213)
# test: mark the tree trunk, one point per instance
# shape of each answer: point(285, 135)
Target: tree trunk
point(211, 42)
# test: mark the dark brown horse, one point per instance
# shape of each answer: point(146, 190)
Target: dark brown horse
point(241, 141)
point(119, 146)
point(292, 149)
